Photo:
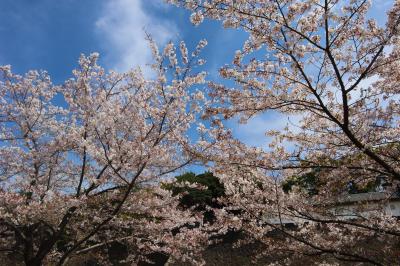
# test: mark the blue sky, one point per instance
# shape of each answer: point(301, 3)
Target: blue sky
point(51, 34)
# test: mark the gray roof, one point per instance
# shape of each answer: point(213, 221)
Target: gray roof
point(364, 197)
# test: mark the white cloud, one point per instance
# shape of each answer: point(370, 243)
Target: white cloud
point(253, 132)
point(122, 27)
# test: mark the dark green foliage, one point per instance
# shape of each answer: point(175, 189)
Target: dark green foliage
point(369, 187)
point(200, 199)
point(308, 181)
point(194, 196)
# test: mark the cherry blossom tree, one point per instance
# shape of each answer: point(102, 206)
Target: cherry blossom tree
point(80, 162)
point(334, 71)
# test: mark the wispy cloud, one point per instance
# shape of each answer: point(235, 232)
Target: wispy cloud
point(253, 133)
point(122, 27)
